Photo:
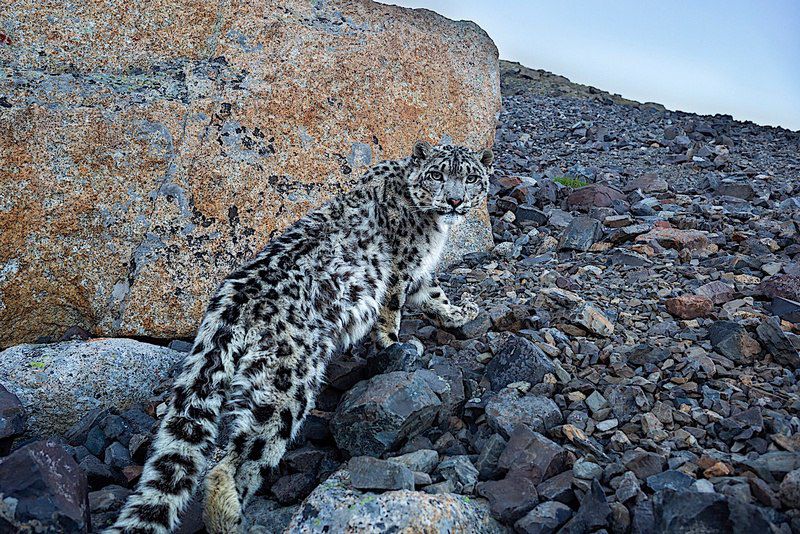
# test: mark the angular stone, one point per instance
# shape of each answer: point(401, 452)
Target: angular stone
point(783, 285)
point(168, 138)
point(593, 513)
point(12, 420)
point(507, 411)
point(626, 401)
point(97, 473)
point(518, 359)
point(378, 414)
point(689, 306)
point(293, 488)
point(510, 498)
point(526, 213)
point(593, 320)
point(43, 491)
point(670, 479)
point(646, 183)
point(396, 357)
point(581, 234)
point(535, 454)
point(593, 195)
point(51, 380)
point(545, 518)
point(369, 473)
point(677, 239)
point(691, 511)
point(643, 464)
point(777, 343)
point(460, 471)
point(423, 460)
point(790, 490)
point(732, 341)
point(489, 457)
point(786, 309)
point(718, 292)
point(628, 487)
point(586, 470)
point(335, 506)
point(558, 488)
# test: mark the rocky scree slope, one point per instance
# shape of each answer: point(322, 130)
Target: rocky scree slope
point(635, 369)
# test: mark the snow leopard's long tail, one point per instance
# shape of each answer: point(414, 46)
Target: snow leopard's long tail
point(186, 435)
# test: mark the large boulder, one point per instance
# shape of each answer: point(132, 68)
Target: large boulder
point(335, 506)
point(149, 149)
point(42, 489)
point(59, 383)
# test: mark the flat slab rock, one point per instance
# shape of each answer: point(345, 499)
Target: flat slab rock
point(335, 506)
point(59, 383)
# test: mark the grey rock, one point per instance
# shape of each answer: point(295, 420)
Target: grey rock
point(626, 401)
point(12, 420)
point(732, 341)
point(593, 513)
point(377, 415)
point(507, 411)
point(586, 470)
point(518, 359)
point(423, 460)
point(335, 506)
point(510, 498)
point(396, 357)
point(643, 464)
point(670, 479)
point(777, 343)
point(690, 511)
point(369, 473)
point(581, 234)
point(264, 516)
point(558, 488)
point(117, 456)
point(489, 456)
point(535, 454)
point(97, 473)
point(628, 487)
point(545, 518)
point(293, 487)
point(50, 380)
point(460, 471)
point(790, 490)
point(43, 491)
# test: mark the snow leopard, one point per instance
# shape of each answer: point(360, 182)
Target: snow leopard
point(340, 272)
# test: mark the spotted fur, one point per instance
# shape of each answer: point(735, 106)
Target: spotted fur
point(261, 350)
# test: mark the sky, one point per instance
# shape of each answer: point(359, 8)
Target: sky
point(736, 57)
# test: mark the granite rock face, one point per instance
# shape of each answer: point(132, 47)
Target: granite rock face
point(59, 383)
point(149, 149)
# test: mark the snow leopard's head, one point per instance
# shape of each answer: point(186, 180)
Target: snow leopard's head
point(449, 180)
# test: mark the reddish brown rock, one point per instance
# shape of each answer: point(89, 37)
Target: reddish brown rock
point(151, 147)
point(677, 239)
point(689, 306)
point(594, 195)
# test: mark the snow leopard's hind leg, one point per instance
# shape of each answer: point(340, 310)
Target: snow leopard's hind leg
point(271, 394)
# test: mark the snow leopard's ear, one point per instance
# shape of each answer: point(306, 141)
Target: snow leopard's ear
point(486, 157)
point(422, 150)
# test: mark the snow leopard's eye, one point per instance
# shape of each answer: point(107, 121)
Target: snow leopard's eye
point(472, 178)
point(436, 176)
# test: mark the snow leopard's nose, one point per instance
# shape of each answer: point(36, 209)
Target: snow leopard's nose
point(455, 202)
